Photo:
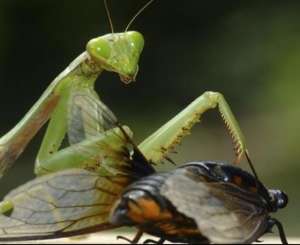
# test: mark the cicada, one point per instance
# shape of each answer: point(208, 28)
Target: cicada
point(117, 185)
point(201, 202)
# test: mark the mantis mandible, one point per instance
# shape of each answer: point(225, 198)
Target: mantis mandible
point(72, 105)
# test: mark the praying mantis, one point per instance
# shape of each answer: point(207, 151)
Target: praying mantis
point(115, 52)
point(102, 147)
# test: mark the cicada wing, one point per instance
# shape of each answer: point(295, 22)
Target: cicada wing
point(112, 149)
point(223, 212)
point(67, 203)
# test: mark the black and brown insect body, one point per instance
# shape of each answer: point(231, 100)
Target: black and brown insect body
point(200, 202)
point(143, 206)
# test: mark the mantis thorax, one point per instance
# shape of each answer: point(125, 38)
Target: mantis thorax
point(118, 52)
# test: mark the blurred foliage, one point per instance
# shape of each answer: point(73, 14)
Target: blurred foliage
point(248, 50)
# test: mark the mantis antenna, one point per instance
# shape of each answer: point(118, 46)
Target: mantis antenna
point(109, 16)
point(137, 14)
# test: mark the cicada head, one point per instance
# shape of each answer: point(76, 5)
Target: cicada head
point(279, 199)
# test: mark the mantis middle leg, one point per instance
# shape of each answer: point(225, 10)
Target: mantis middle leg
point(156, 146)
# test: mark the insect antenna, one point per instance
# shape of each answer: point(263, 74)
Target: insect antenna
point(109, 16)
point(137, 14)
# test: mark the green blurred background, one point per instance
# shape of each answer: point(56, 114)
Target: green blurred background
point(247, 50)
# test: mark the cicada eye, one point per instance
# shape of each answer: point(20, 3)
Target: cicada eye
point(282, 200)
point(278, 198)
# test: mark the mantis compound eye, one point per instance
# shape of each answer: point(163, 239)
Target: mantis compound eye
point(136, 41)
point(99, 48)
point(130, 59)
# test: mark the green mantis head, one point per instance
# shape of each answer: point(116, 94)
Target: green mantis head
point(118, 52)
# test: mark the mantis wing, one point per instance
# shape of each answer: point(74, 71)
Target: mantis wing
point(223, 212)
point(88, 116)
point(107, 145)
point(67, 203)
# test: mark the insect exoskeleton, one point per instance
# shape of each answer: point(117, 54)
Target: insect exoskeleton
point(118, 52)
point(200, 202)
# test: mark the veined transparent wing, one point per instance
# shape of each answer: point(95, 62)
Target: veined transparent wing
point(223, 212)
point(88, 116)
point(77, 201)
point(67, 203)
point(95, 132)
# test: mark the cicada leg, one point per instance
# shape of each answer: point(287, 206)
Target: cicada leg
point(274, 222)
point(160, 241)
point(135, 240)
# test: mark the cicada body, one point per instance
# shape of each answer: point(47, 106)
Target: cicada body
point(200, 202)
point(142, 205)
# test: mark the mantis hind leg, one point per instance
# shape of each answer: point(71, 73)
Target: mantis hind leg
point(157, 145)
